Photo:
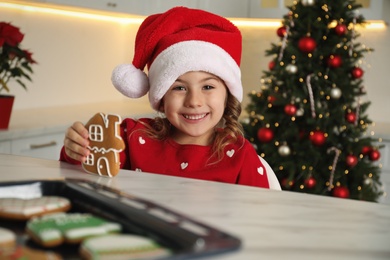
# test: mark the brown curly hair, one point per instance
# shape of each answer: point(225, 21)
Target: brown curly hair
point(229, 132)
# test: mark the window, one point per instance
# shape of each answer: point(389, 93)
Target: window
point(90, 159)
point(96, 133)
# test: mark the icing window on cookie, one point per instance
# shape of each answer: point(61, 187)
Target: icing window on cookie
point(96, 133)
point(90, 159)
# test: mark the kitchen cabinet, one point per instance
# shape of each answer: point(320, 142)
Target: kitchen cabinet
point(45, 146)
point(226, 8)
point(273, 9)
point(385, 173)
point(5, 147)
point(137, 7)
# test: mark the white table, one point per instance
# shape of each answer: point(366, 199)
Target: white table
point(271, 224)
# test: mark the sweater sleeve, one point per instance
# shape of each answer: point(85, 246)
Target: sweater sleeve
point(65, 158)
point(252, 172)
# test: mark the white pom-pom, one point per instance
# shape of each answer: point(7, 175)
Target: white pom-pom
point(130, 81)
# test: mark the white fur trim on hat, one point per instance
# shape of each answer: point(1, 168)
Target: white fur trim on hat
point(187, 56)
point(130, 81)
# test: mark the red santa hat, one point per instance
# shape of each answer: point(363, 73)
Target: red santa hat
point(178, 41)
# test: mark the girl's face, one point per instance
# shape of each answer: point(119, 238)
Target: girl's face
point(194, 105)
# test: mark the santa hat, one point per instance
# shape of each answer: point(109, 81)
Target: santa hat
point(178, 41)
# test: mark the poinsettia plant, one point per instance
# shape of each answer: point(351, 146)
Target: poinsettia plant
point(15, 62)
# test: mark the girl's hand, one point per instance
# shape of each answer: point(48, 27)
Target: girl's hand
point(76, 142)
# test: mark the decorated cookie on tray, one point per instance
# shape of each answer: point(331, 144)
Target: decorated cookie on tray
point(55, 229)
point(121, 246)
point(10, 250)
point(24, 209)
point(7, 242)
point(105, 144)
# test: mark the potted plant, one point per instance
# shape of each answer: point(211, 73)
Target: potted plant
point(15, 64)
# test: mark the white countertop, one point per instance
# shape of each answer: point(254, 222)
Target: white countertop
point(271, 224)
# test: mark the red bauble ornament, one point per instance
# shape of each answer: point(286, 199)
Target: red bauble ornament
point(366, 150)
point(317, 137)
point(271, 65)
point(334, 61)
point(350, 117)
point(341, 192)
point(281, 31)
point(271, 99)
point(265, 135)
point(374, 155)
point(340, 29)
point(357, 73)
point(310, 182)
point(290, 109)
point(307, 44)
point(351, 160)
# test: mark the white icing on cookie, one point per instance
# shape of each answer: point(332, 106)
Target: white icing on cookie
point(125, 245)
point(27, 207)
point(6, 236)
point(70, 226)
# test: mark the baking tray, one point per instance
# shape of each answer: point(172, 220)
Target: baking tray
point(186, 237)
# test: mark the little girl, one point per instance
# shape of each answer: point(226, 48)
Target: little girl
point(194, 80)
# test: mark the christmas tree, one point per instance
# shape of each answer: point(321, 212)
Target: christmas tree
point(308, 120)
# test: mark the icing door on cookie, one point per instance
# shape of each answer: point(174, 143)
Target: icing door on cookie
point(103, 166)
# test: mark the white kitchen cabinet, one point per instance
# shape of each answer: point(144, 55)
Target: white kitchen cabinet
point(107, 5)
point(137, 7)
point(226, 8)
point(44, 146)
point(274, 9)
point(385, 173)
point(257, 9)
point(159, 6)
point(5, 147)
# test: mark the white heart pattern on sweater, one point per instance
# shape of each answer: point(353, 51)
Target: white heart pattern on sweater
point(141, 140)
point(183, 165)
point(230, 153)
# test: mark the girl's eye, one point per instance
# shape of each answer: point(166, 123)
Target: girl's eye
point(208, 87)
point(178, 88)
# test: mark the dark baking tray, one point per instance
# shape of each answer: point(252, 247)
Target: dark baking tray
point(186, 237)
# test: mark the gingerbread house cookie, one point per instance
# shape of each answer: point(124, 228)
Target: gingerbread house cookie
point(105, 145)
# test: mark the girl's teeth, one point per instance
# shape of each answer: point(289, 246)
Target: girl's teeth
point(194, 117)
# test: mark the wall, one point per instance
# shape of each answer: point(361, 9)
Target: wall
point(76, 57)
